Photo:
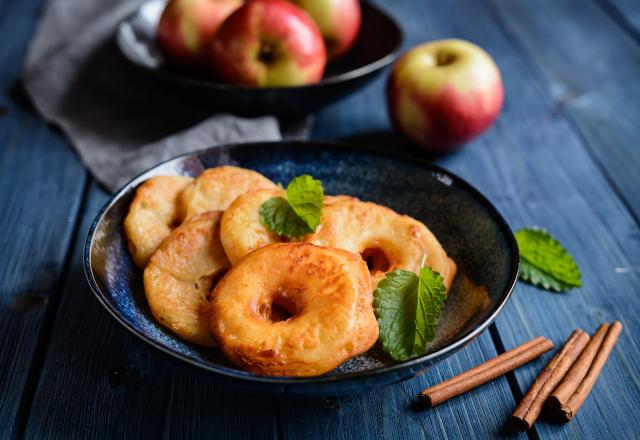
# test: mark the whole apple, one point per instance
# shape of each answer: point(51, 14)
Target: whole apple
point(187, 27)
point(269, 43)
point(442, 94)
point(338, 21)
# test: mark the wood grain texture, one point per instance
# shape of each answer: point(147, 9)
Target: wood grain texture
point(100, 381)
point(590, 67)
point(537, 170)
point(41, 183)
point(392, 412)
point(627, 11)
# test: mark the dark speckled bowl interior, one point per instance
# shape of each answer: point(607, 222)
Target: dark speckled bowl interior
point(469, 227)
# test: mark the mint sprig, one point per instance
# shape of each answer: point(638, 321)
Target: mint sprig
point(408, 308)
point(544, 262)
point(299, 213)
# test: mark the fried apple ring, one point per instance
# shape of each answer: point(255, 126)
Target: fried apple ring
point(181, 274)
point(152, 215)
point(241, 228)
point(386, 240)
point(294, 309)
point(216, 188)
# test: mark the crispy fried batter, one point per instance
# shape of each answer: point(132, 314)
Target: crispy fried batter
point(152, 215)
point(294, 309)
point(386, 240)
point(241, 228)
point(216, 188)
point(181, 275)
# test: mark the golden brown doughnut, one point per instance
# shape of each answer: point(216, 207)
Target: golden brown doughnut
point(216, 188)
point(181, 274)
point(386, 240)
point(242, 230)
point(152, 215)
point(294, 309)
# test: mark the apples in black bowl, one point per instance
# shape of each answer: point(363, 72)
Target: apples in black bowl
point(375, 47)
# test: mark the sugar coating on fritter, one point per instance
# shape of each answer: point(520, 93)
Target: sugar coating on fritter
point(216, 188)
point(181, 275)
point(153, 213)
point(385, 239)
point(294, 309)
point(242, 230)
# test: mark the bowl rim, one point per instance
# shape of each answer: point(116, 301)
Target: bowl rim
point(244, 376)
point(358, 72)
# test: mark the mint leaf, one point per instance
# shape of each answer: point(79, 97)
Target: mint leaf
point(299, 213)
point(544, 262)
point(431, 298)
point(278, 216)
point(305, 194)
point(408, 308)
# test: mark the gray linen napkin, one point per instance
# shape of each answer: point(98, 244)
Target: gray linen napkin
point(120, 120)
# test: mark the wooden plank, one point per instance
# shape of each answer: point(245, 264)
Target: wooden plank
point(98, 380)
point(626, 11)
point(391, 412)
point(41, 183)
point(589, 66)
point(537, 170)
point(387, 413)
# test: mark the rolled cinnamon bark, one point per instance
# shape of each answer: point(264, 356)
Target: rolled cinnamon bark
point(531, 405)
point(485, 372)
point(567, 399)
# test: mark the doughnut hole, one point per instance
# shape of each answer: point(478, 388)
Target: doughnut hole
point(376, 259)
point(279, 305)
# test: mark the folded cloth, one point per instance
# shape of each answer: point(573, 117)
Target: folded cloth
point(120, 120)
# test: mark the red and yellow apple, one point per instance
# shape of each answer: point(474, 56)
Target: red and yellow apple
point(444, 93)
point(269, 43)
point(338, 21)
point(187, 27)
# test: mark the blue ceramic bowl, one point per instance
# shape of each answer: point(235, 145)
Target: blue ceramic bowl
point(469, 227)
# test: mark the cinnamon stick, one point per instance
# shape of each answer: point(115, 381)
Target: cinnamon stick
point(567, 399)
point(531, 405)
point(485, 372)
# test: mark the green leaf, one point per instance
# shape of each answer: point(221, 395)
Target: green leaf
point(278, 216)
point(431, 298)
point(408, 308)
point(305, 194)
point(299, 213)
point(544, 262)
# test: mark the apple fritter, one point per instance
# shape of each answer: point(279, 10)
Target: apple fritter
point(181, 275)
point(386, 240)
point(294, 309)
point(242, 230)
point(152, 215)
point(216, 188)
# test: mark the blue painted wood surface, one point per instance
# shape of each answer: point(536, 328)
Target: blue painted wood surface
point(563, 155)
point(589, 67)
point(41, 184)
point(627, 12)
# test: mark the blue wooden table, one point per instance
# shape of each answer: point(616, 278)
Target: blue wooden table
point(565, 154)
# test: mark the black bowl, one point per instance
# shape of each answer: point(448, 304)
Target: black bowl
point(469, 227)
point(376, 47)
